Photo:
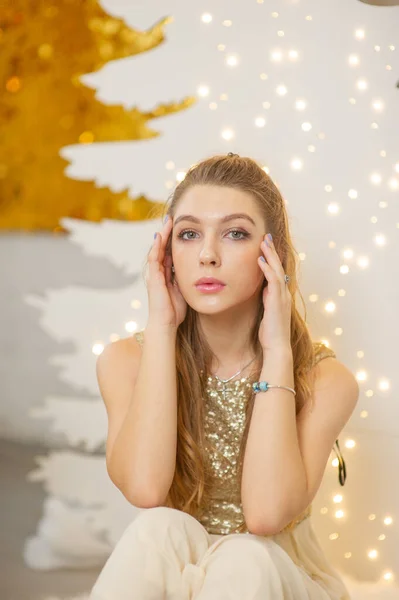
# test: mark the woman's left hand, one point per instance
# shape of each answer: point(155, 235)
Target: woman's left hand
point(275, 327)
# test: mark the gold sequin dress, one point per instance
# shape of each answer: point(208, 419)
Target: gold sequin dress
point(224, 425)
point(217, 552)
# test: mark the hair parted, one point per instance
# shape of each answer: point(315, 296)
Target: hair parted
point(190, 490)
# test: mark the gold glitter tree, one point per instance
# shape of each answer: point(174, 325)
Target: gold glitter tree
point(45, 46)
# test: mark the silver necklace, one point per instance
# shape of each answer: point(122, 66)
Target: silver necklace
point(224, 381)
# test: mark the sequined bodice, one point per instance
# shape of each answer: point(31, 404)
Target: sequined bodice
point(224, 426)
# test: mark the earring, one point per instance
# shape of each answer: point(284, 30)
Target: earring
point(173, 269)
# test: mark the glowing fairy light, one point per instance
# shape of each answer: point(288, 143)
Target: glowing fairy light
point(301, 105)
point(380, 239)
point(206, 18)
point(378, 105)
point(232, 60)
point(276, 56)
point(348, 253)
point(362, 262)
point(203, 91)
point(361, 84)
point(353, 60)
point(330, 307)
point(384, 385)
point(131, 326)
point(333, 208)
point(296, 164)
point(97, 348)
point(361, 375)
point(375, 178)
point(227, 134)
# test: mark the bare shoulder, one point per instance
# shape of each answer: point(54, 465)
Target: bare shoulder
point(116, 369)
point(118, 363)
point(331, 377)
point(335, 386)
point(327, 367)
point(331, 369)
point(123, 350)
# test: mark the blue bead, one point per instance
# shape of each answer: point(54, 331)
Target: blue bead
point(260, 386)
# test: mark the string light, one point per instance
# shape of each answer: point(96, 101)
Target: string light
point(228, 134)
point(206, 18)
point(97, 348)
point(232, 60)
point(203, 91)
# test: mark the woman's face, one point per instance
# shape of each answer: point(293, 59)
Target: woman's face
point(212, 248)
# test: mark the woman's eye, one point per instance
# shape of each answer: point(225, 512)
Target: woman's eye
point(244, 234)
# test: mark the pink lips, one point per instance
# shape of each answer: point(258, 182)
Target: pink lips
point(210, 287)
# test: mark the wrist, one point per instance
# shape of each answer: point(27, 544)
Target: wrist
point(158, 329)
point(280, 353)
point(278, 367)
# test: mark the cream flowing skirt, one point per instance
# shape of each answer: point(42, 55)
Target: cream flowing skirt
point(166, 554)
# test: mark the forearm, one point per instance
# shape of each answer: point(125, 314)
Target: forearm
point(144, 454)
point(273, 469)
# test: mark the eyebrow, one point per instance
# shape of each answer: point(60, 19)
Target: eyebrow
point(222, 220)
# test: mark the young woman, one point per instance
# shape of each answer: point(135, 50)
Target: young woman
point(222, 415)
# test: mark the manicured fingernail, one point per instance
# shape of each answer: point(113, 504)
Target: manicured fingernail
point(165, 219)
point(270, 237)
point(155, 235)
point(262, 259)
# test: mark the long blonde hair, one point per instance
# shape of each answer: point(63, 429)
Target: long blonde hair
point(190, 491)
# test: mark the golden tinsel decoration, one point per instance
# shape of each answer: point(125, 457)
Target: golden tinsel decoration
point(45, 46)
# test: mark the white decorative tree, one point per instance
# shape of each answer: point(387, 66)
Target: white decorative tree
point(84, 513)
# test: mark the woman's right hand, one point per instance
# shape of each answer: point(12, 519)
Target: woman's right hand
point(167, 307)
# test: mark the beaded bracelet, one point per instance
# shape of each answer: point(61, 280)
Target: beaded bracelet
point(263, 386)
